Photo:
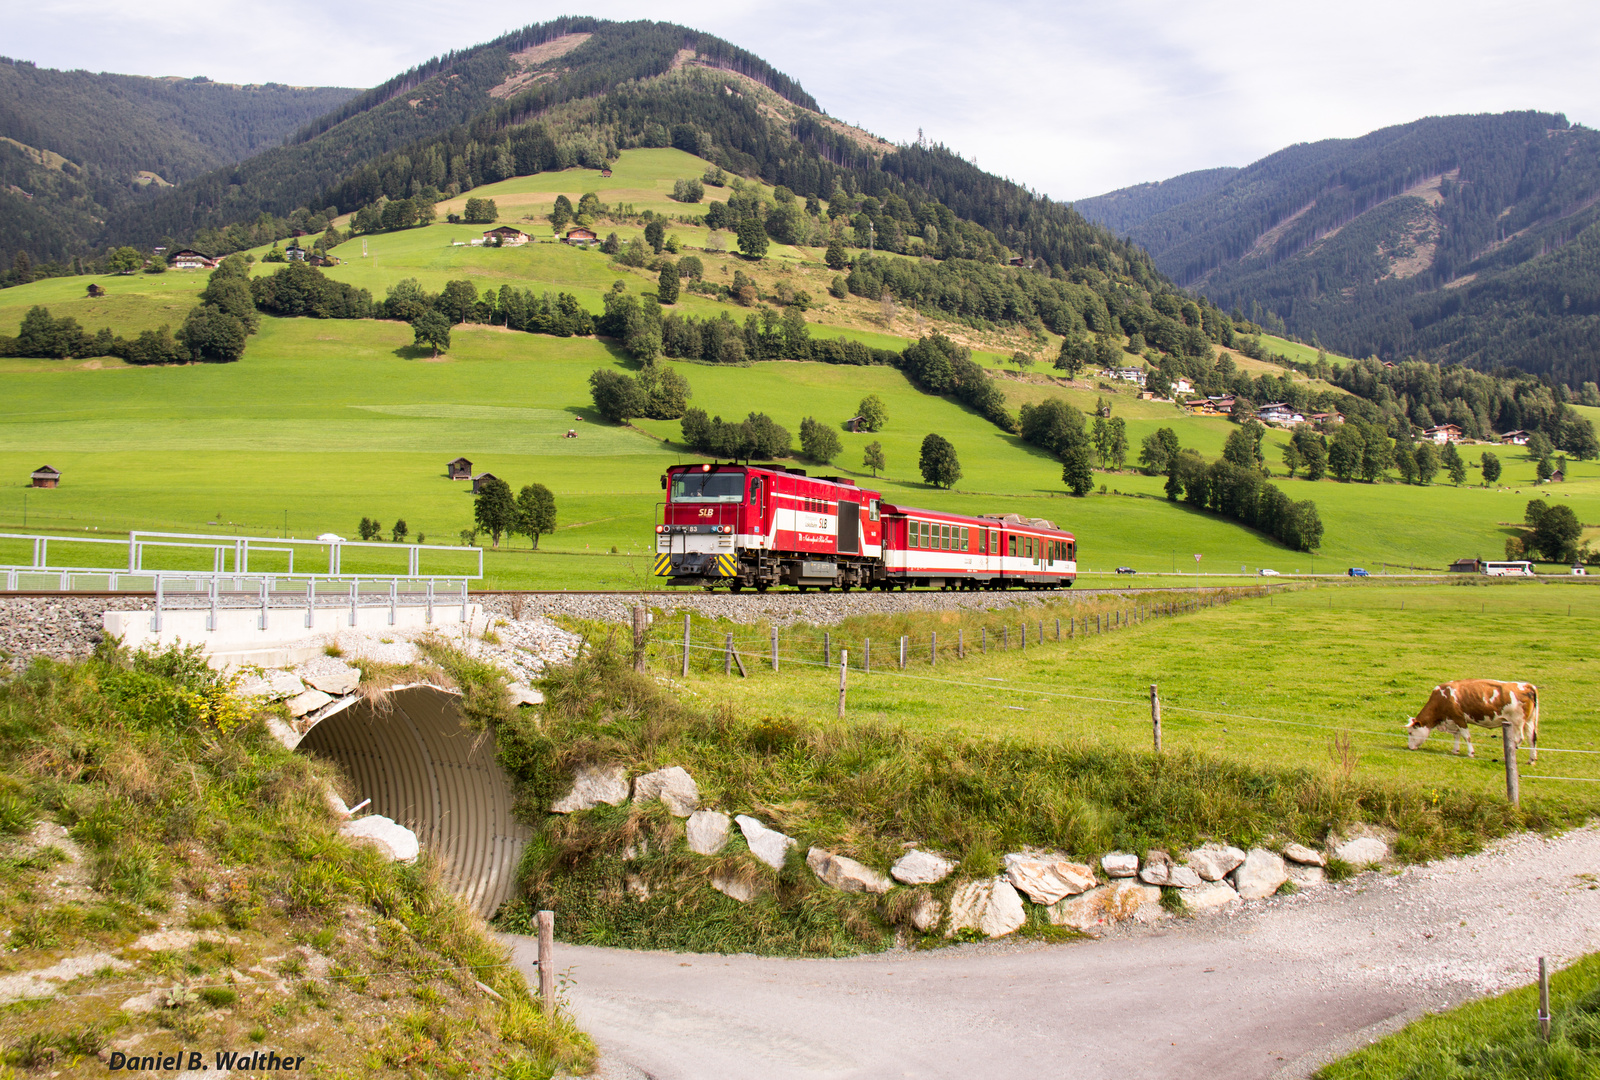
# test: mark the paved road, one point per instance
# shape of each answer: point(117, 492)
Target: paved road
point(1270, 991)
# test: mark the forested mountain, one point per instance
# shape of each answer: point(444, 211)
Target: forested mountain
point(78, 146)
point(1471, 239)
point(575, 91)
point(1123, 209)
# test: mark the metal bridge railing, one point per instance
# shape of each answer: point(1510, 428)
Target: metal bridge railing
point(230, 554)
point(270, 592)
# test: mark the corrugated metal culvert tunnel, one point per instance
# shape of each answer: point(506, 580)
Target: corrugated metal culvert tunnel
point(410, 752)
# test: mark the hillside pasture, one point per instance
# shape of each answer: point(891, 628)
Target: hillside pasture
point(1321, 678)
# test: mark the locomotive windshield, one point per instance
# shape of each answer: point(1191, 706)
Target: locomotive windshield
point(708, 487)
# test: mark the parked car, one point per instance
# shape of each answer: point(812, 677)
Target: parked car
point(1264, 572)
point(1356, 571)
point(1126, 570)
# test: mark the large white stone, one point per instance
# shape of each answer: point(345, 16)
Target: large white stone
point(1213, 894)
point(992, 907)
point(1259, 875)
point(283, 684)
point(308, 701)
point(1157, 865)
point(1306, 877)
point(593, 785)
point(738, 888)
point(389, 837)
point(521, 694)
point(1047, 880)
point(1120, 864)
point(768, 845)
point(674, 787)
point(921, 868)
point(1160, 870)
point(845, 874)
point(927, 914)
point(1362, 850)
point(1213, 862)
point(1113, 903)
point(1299, 853)
point(342, 680)
point(708, 831)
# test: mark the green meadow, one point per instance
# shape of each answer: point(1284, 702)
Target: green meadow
point(1275, 681)
point(324, 422)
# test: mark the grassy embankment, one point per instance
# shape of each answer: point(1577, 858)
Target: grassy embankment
point(1282, 720)
point(326, 422)
point(201, 871)
point(1493, 1039)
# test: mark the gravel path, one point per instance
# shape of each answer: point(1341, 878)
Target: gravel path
point(782, 608)
point(1271, 991)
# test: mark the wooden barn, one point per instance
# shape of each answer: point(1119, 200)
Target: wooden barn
point(45, 476)
point(481, 481)
point(459, 469)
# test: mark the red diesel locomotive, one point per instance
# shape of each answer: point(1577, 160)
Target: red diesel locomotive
point(762, 525)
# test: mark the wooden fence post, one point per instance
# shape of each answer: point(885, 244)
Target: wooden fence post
point(983, 640)
point(686, 644)
point(902, 652)
point(866, 655)
point(844, 667)
point(1058, 629)
point(933, 649)
point(774, 648)
point(547, 961)
point(1513, 795)
point(639, 624)
point(1155, 716)
point(961, 646)
point(1544, 1001)
point(827, 648)
point(727, 655)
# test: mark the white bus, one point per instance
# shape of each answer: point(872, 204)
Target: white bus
point(1508, 569)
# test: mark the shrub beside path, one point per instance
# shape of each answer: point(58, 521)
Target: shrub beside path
point(1273, 990)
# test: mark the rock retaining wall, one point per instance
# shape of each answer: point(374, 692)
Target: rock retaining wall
point(1122, 887)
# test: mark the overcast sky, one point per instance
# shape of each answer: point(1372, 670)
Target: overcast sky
point(1070, 97)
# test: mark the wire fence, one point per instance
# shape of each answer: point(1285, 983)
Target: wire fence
point(899, 658)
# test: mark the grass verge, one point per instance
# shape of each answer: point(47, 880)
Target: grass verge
point(1494, 1039)
point(156, 829)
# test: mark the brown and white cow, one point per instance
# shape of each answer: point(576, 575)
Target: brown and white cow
point(1486, 702)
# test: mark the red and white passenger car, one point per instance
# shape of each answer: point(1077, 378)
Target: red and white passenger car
point(762, 525)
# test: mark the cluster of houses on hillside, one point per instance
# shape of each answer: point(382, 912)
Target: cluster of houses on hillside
point(506, 236)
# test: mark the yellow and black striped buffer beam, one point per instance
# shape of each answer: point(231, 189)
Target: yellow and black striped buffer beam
point(727, 565)
point(663, 565)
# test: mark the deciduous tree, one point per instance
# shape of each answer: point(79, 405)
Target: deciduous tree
point(1490, 464)
point(433, 330)
point(536, 512)
point(818, 441)
point(495, 510)
point(938, 461)
point(873, 458)
point(873, 412)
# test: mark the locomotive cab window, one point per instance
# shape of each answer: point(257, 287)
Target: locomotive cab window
point(698, 487)
point(872, 510)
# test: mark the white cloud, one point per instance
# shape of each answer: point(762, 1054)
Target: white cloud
point(1071, 98)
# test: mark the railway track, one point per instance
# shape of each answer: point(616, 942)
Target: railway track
point(46, 594)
